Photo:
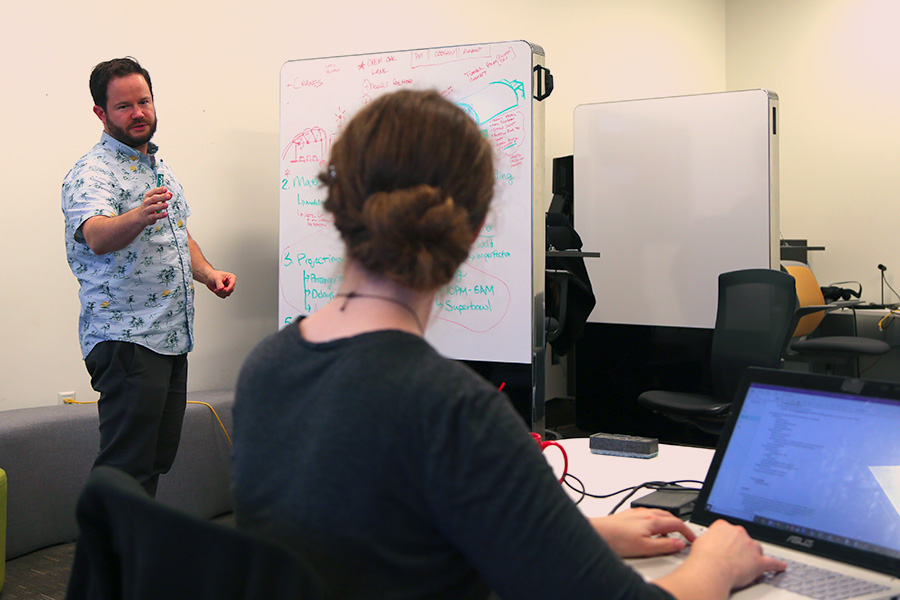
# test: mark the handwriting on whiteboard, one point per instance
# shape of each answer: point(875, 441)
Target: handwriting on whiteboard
point(486, 309)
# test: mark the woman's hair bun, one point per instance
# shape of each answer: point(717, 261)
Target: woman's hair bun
point(410, 180)
point(417, 236)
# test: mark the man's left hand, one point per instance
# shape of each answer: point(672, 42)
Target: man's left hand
point(220, 283)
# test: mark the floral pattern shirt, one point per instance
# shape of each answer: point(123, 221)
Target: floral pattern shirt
point(143, 293)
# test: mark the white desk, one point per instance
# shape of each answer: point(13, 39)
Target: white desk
point(603, 474)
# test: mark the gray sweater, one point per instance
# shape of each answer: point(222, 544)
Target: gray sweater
point(401, 474)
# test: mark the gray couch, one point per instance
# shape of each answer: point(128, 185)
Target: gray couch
point(47, 453)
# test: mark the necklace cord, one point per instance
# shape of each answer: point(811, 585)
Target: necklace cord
point(348, 296)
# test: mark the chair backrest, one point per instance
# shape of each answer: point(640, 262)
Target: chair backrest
point(753, 322)
point(569, 302)
point(809, 293)
point(569, 298)
point(131, 546)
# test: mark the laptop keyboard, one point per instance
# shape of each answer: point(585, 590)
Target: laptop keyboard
point(818, 583)
point(814, 582)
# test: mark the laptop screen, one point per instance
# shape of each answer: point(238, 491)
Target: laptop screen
point(812, 462)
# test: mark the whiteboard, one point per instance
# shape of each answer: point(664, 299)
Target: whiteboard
point(673, 192)
point(485, 313)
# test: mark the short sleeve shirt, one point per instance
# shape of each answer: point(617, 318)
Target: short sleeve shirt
point(144, 292)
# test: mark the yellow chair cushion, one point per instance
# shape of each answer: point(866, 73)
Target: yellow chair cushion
point(2, 527)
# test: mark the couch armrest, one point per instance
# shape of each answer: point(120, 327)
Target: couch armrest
point(200, 479)
point(47, 453)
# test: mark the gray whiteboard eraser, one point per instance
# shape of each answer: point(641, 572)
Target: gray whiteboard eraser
point(624, 445)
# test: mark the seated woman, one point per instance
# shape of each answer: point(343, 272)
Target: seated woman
point(400, 473)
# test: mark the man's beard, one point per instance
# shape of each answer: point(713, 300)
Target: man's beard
point(126, 137)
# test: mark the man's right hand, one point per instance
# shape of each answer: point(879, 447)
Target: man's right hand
point(107, 234)
point(154, 206)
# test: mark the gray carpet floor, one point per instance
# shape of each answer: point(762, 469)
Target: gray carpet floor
point(41, 575)
point(44, 574)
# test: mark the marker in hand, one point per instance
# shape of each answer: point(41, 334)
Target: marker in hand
point(157, 198)
point(159, 183)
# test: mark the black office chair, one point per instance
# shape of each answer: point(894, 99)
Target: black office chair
point(569, 298)
point(753, 324)
point(131, 546)
point(827, 350)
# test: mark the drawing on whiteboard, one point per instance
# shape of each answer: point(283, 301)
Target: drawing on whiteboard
point(485, 312)
point(304, 83)
point(311, 145)
point(368, 87)
point(377, 65)
point(431, 57)
point(309, 277)
point(493, 100)
point(507, 132)
point(340, 116)
point(476, 300)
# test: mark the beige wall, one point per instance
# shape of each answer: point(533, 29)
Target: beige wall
point(834, 66)
point(215, 69)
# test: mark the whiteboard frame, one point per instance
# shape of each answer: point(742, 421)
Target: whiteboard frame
point(533, 169)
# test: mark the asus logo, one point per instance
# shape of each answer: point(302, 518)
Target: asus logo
point(800, 541)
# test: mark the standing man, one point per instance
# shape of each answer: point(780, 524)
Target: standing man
point(127, 243)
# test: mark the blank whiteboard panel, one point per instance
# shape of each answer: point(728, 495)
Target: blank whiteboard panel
point(485, 313)
point(673, 192)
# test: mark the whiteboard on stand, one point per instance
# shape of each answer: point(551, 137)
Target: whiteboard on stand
point(485, 313)
point(673, 192)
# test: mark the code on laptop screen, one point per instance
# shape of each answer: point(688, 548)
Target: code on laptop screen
point(819, 464)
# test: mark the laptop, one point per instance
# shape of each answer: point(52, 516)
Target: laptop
point(810, 466)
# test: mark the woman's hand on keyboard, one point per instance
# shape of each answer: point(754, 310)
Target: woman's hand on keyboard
point(643, 532)
point(722, 559)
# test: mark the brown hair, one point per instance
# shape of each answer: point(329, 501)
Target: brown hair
point(113, 69)
point(410, 181)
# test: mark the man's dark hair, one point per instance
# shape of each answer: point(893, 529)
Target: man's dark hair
point(113, 69)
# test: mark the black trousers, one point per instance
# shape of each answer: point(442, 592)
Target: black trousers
point(143, 396)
